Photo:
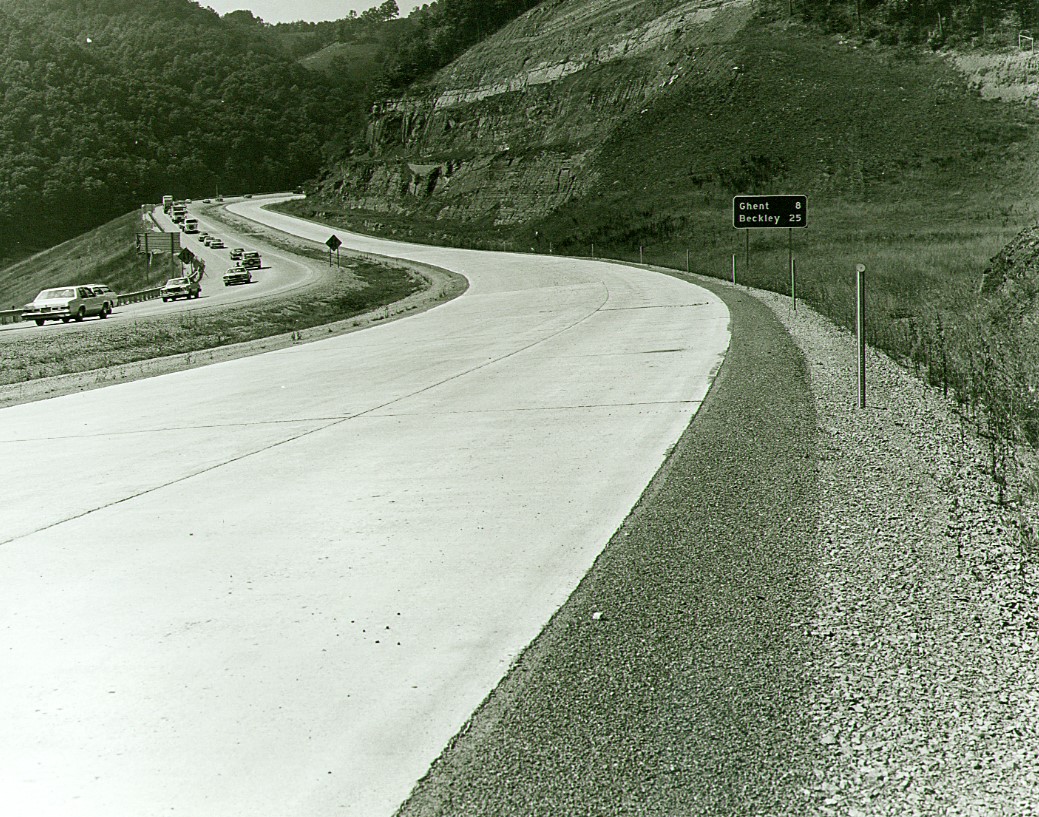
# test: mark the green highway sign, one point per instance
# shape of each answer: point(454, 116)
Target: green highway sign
point(756, 212)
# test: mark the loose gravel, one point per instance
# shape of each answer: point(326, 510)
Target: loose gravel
point(815, 610)
point(925, 696)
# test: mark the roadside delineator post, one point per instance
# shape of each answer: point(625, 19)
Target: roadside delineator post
point(734, 269)
point(860, 328)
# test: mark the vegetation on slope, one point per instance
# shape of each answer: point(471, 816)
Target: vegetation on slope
point(938, 22)
point(106, 254)
point(109, 103)
point(907, 171)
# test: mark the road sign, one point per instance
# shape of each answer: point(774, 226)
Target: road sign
point(756, 212)
point(186, 256)
point(334, 243)
point(154, 241)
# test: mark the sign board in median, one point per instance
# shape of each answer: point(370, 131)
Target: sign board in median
point(756, 212)
point(334, 243)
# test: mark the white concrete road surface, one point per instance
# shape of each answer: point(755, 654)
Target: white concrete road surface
point(279, 585)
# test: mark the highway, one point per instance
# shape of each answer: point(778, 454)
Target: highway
point(282, 272)
point(280, 584)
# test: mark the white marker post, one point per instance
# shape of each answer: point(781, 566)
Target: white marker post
point(860, 328)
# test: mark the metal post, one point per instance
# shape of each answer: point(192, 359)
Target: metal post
point(338, 266)
point(593, 249)
point(860, 328)
point(734, 269)
point(793, 285)
point(746, 233)
point(687, 262)
point(790, 247)
point(640, 253)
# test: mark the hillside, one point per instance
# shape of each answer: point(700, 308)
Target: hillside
point(106, 254)
point(110, 103)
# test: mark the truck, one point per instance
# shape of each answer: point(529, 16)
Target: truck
point(167, 203)
point(191, 225)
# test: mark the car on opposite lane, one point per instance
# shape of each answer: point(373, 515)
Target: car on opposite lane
point(237, 275)
point(180, 288)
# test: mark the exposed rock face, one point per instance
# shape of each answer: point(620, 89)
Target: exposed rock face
point(511, 129)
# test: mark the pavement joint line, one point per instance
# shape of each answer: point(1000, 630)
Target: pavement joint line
point(167, 484)
point(163, 429)
point(654, 306)
point(523, 409)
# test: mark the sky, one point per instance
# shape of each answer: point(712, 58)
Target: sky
point(287, 11)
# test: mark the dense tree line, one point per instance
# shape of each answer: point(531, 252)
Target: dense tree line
point(442, 30)
point(916, 21)
point(111, 103)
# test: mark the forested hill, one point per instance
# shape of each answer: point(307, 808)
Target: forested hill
point(111, 103)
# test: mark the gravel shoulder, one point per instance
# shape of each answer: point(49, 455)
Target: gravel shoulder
point(814, 610)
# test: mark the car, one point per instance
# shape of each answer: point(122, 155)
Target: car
point(66, 304)
point(251, 260)
point(180, 288)
point(216, 244)
point(219, 198)
point(206, 201)
point(247, 196)
point(237, 275)
point(236, 254)
point(202, 237)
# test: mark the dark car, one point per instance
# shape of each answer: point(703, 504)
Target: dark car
point(180, 288)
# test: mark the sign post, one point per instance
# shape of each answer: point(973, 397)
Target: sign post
point(333, 244)
point(771, 212)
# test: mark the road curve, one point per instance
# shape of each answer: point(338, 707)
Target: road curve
point(280, 584)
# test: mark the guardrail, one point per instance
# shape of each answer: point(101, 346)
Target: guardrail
point(10, 316)
point(137, 297)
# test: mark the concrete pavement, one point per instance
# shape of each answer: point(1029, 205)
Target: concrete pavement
point(279, 585)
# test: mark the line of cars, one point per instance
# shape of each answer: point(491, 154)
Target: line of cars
point(74, 303)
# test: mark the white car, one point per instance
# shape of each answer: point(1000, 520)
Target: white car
point(65, 304)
